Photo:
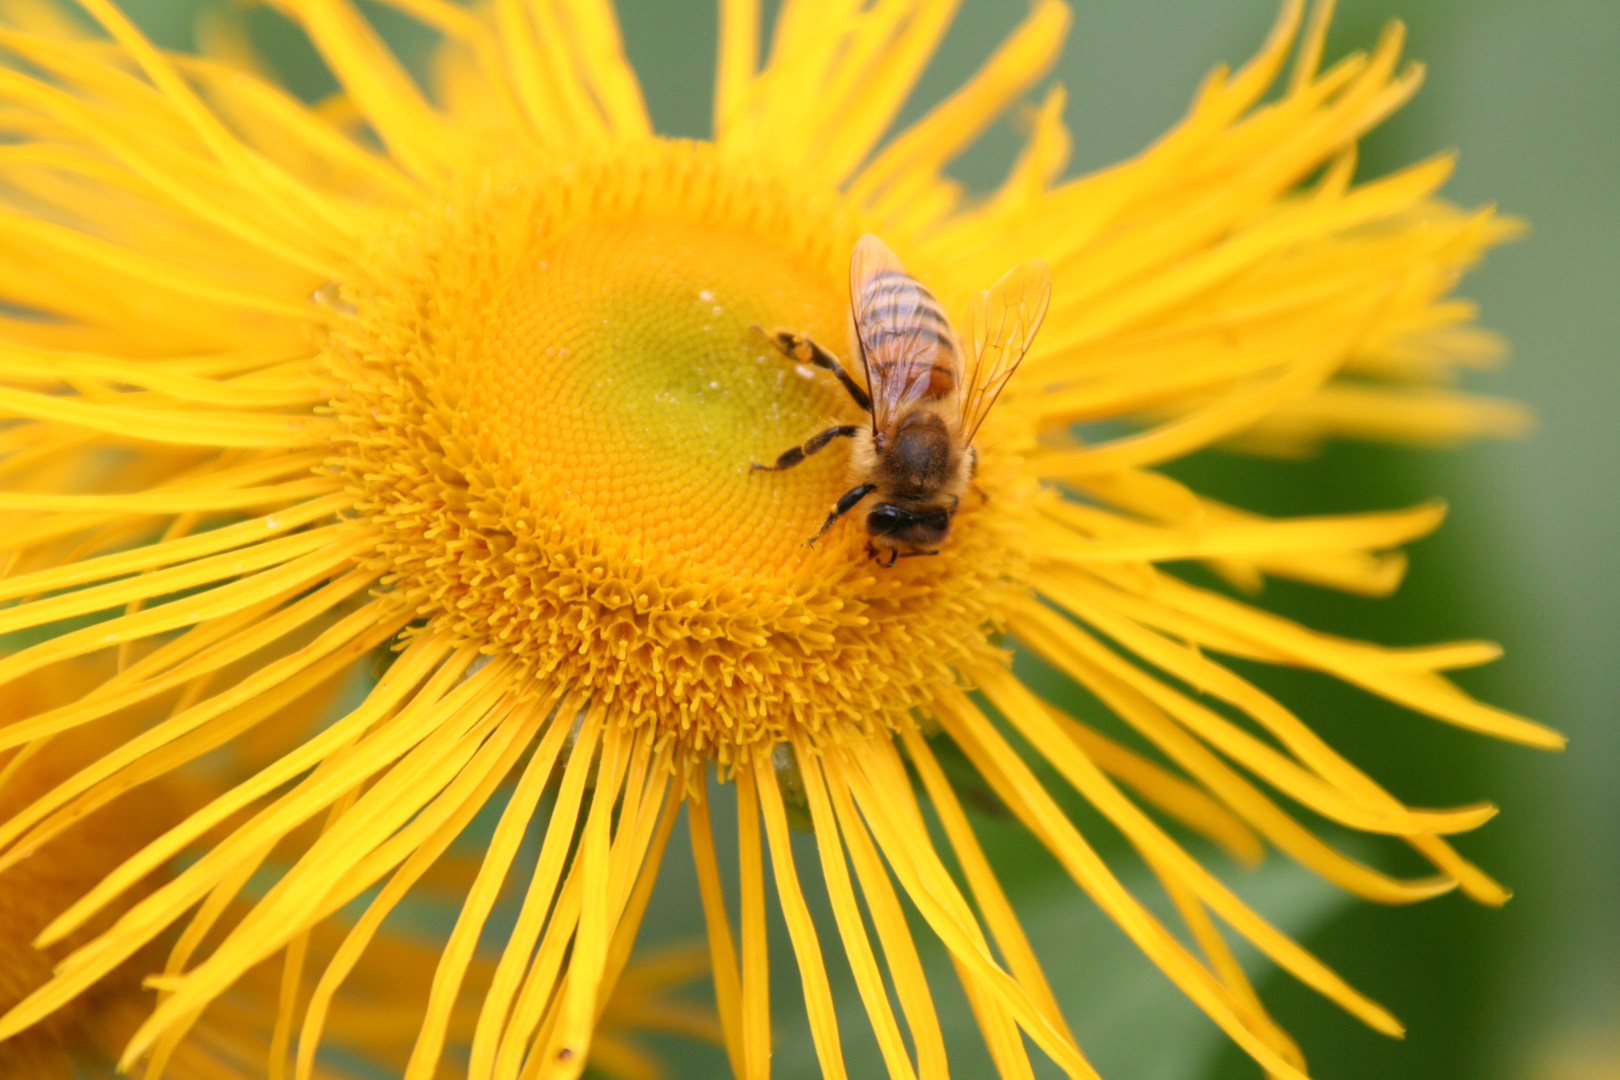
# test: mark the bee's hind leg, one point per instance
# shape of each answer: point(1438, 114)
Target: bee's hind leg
point(800, 348)
point(795, 454)
point(973, 474)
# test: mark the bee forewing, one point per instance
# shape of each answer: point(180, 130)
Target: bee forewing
point(1004, 320)
point(906, 343)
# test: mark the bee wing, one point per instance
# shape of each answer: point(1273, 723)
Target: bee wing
point(1003, 323)
point(901, 331)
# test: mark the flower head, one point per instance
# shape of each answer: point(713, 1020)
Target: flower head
point(472, 376)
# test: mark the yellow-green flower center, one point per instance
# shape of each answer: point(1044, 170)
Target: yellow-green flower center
point(551, 394)
point(620, 367)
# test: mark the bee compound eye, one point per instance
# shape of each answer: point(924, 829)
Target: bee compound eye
point(885, 519)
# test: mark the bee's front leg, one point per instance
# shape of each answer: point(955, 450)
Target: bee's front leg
point(876, 554)
point(844, 505)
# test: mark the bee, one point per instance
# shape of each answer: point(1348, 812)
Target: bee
point(927, 396)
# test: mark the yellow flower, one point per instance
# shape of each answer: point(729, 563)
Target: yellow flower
point(469, 373)
point(381, 997)
point(371, 1020)
point(32, 890)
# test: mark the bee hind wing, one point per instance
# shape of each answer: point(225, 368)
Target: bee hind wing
point(1004, 320)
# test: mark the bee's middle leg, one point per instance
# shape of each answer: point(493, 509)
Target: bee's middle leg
point(795, 454)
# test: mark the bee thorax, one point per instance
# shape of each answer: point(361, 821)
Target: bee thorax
point(918, 463)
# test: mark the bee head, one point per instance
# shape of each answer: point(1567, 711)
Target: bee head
point(924, 528)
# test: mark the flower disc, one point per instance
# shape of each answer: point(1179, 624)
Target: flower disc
point(553, 388)
point(619, 367)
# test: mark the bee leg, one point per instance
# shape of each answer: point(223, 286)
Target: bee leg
point(805, 351)
point(793, 455)
point(973, 473)
point(844, 505)
point(913, 554)
point(876, 554)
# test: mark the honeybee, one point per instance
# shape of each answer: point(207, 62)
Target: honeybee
point(927, 396)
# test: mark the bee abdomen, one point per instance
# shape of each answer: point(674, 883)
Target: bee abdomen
point(897, 304)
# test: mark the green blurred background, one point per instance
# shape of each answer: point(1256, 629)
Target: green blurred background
point(1529, 92)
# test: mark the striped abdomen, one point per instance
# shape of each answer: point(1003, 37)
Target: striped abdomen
point(911, 353)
